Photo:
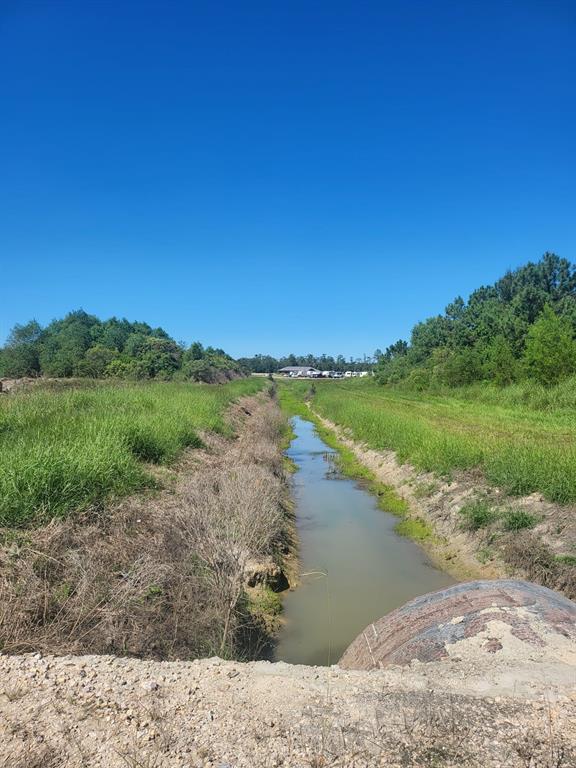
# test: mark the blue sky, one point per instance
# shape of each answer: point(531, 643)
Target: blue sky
point(277, 177)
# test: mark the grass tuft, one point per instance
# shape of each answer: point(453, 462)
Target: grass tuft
point(414, 528)
point(477, 514)
point(518, 519)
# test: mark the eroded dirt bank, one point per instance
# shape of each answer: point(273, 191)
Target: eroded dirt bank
point(516, 712)
point(543, 553)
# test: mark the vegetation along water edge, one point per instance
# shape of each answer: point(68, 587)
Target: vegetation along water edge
point(472, 524)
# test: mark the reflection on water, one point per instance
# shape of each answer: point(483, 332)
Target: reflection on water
point(358, 567)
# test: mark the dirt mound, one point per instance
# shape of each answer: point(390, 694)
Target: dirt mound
point(79, 711)
point(503, 617)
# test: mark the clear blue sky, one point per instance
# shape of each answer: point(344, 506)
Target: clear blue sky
point(276, 177)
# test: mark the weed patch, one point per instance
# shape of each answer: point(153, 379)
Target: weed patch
point(538, 562)
point(477, 514)
point(414, 528)
point(424, 490)
point(518, 519)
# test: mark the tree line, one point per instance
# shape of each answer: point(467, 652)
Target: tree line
point(521, 327)
point(82, 345)
point(269, 364)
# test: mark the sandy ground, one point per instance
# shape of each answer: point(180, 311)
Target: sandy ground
point(107, 711)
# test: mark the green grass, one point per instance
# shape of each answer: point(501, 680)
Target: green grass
point(64, 451)
point(522, 439)
point(414, 528)
point(263, 601)
point(518, 519)
point(477, 514)
point(480, 513)
point(566, 559)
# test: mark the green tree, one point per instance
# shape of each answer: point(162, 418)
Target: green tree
point(82, 345)
point(157, 358)
point(397, 349)
point(550, 348)
point(195, 351)
point(96, 361)
point(121, 368)
point(112, 333)
point(21, 355)
point(501, 365)
point(462, 367)
point(429, 335)
point(64, 343)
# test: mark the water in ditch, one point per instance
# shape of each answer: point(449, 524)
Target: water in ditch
point(354, 567)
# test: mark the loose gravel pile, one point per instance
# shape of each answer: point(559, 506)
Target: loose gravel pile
point(118, 712)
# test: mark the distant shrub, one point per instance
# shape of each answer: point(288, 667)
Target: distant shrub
point(418, 379)
point(501, 365)
point(462, 368)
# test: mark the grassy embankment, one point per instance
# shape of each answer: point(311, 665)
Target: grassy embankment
point(189, 570)
point(523, 438)
point(63, 451)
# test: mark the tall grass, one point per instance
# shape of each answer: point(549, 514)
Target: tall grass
point(63, 451)
point(518, 446)
point(526, 394)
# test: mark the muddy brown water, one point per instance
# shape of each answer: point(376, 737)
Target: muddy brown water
point(354, 567)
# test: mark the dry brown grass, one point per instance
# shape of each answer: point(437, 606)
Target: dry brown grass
point(425, 730)
point(158, 576)
point(526, 552)
point(34, 756)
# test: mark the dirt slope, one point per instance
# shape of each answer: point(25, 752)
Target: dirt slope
point(113, 712)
